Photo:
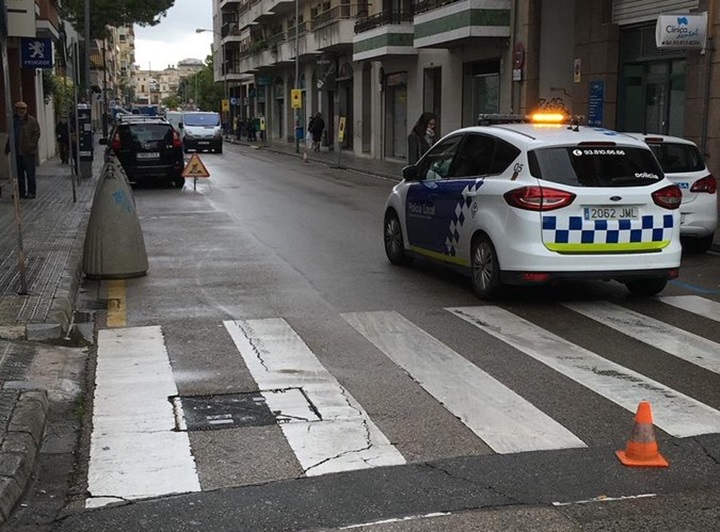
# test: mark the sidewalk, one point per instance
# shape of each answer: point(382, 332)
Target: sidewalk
point(390, 168)
point(53, 232)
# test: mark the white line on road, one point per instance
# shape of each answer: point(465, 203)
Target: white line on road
point(134, 450)
point(501, 418)
point(696, 305)
point(674, 341)
point(344, 438)
point(674, 412)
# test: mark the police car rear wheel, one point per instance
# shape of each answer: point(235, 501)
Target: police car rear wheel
point(394, 245)
point(646, 287)
point(485, 268)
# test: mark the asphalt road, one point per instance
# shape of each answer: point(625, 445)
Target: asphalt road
point(284, 260)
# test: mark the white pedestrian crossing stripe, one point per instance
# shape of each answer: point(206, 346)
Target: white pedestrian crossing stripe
point(499, 416)
point(344, 438)
point(695, 304)
point(668, 338)
point(134, 451)
point(329, 431)
point(675, 413)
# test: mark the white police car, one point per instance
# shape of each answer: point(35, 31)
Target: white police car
point(529, 203)
point(682, 163)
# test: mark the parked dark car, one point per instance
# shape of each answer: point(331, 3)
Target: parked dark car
point(148, 148)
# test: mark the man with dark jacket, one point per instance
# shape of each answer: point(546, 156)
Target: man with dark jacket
point(27, 134)
point(316, 127)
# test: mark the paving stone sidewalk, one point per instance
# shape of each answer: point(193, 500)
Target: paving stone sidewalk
point(52, 235)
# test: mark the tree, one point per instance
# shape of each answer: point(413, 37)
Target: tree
point(114, 13)
point(171, 102)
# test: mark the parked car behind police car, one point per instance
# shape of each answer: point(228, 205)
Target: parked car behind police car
point(529, 203)
point(682, 163)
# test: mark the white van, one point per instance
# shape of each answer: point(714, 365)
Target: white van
point(201, 131)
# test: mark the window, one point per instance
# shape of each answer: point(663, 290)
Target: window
point(588, 166)
point(437, 162)
point(678, 157)
point(475, 156)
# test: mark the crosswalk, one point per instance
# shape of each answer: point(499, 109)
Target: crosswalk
point(137, 423)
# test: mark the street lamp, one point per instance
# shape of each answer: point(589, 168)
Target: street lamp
point(297, 76)
point(222, 58)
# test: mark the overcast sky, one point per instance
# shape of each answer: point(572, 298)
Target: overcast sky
point(174, 39)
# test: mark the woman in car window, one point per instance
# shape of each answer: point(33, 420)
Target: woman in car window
point(421, 137)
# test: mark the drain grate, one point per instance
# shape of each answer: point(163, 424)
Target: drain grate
point(214, 412)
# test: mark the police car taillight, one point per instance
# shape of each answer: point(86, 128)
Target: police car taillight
point(538, 198)
point(116, 144)
point(177, 142)
point(668, 197)
point(706, 184)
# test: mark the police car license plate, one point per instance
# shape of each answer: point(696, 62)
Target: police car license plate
point(610, 212)
point(149, 155)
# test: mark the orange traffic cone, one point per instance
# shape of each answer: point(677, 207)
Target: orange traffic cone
point(642, 449)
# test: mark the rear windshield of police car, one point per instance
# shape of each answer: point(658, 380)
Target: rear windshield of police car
point(601, 166)
point(678, 158)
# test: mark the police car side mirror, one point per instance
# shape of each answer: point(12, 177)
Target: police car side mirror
point(410, 173)
point(180, 125)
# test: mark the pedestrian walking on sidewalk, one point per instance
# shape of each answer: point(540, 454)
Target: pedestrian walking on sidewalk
point(62, 136)
point(421, 137)
point(316, 127)
point(27, 135)
point(251, 130)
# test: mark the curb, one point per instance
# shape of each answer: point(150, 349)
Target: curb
point(22, 442)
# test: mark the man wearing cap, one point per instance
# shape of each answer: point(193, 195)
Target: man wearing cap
point(27, 134)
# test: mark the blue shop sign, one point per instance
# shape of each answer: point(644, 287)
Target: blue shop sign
point(36, 53)
point(595, 103)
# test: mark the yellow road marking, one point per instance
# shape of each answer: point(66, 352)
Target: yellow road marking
point(116, 316)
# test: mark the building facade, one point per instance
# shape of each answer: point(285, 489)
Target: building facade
point(30, 19)
point(377, 66)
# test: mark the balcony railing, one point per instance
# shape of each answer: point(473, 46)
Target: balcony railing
point(337, 13)
point(302, 28)
point(389, 16)
point(428, 5)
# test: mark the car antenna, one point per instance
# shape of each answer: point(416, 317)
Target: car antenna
point(575, 123)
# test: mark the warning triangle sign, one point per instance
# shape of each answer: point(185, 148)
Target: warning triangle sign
point(195, 167)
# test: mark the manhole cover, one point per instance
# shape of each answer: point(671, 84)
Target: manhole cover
point(213, 412)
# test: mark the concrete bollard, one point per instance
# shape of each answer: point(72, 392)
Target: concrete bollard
point(114, 244)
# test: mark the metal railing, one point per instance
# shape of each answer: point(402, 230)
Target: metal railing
point(384, 18)
point(428, 5)
point(302, 28)
point(337, 13)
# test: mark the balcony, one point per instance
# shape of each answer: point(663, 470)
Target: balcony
point(451, 23)
point(306, 44)
point(226, 3)
point(384, 34)
point(334, 28)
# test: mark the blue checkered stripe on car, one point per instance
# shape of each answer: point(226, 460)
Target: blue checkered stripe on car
point(577, 230)
point(459, 217)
